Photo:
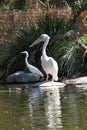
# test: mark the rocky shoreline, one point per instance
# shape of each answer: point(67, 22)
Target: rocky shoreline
point(22, 77)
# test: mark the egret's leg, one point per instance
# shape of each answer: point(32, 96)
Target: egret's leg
point(46, 77)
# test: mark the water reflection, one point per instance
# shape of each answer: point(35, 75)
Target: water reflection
point(43, 109)
point(36, 109)
point(74, 107)
point(13, 110)
point(17, 88)
point(69, 101)
point(45, 106)
point(52, 106)
point(81, 86)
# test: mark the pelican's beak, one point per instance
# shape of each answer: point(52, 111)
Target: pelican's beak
point(35, 42)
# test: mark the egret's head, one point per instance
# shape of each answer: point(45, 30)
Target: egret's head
point(42, 38)
point(24, 52)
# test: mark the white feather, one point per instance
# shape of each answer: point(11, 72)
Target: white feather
point(49, 65)
point(30, 67)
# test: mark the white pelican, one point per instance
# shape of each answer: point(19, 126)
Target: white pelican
point(49, 65)
point(30, 67)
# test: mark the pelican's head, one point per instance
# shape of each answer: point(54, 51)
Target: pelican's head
point(42, 38)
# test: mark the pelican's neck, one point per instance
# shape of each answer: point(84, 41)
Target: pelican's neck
point(44, 48)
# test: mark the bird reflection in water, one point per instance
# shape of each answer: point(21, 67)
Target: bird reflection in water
point(45, 108)
point(53, 108)
point(17, 88)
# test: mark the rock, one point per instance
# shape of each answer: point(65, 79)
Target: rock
point(11, 78)
point(49, 84)
point(22, 77)
point(81, 80)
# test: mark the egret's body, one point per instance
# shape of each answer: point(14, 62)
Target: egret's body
point(49, 65)
point(30, 67)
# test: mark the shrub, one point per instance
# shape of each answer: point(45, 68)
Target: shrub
point(70, 58)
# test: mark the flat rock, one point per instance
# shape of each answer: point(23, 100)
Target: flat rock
point(22, 77)
point(81, 80)
point(49, 84)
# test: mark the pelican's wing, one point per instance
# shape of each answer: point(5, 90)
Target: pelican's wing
point(53, 62)
point(54, 65)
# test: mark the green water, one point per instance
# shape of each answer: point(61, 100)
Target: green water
point(37, 109)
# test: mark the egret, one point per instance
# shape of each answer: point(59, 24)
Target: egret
point(30, 67)
point(49, 65)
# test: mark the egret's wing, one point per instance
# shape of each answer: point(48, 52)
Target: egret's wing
point(35, 70)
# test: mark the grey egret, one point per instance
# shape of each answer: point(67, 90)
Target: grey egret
point(30, 67)
point(49, 65)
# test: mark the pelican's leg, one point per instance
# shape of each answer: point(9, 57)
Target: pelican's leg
point(52, 77)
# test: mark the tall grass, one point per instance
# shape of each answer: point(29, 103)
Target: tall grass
point(70, 58)
point(12, 60)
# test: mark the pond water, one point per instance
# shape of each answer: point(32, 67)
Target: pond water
point(37, 109)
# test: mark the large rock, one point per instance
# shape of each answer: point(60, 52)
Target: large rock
point(80, 80)
point(22, 77)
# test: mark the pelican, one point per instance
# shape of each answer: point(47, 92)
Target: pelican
point(49, 65)
point(30, 67)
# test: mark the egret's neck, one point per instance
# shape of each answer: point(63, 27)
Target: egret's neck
point(44, 47)
point(26, 59)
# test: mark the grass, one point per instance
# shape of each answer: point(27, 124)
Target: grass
point(70, 58)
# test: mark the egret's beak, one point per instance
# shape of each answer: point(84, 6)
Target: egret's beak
point(22, 52)
point(36, 42)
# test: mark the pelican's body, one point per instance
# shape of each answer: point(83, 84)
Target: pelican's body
point(30, 67)
point(49, 65)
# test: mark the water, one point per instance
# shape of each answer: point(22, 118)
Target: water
point(49, 109)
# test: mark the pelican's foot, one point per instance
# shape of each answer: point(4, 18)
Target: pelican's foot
point(50, 81)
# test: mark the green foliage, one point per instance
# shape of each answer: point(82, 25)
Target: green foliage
point(12, 4)
point(70, 58)
point(84, 39)
point(19, 4)
point(13, 61)
point(77, 4)
point(52, 25)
